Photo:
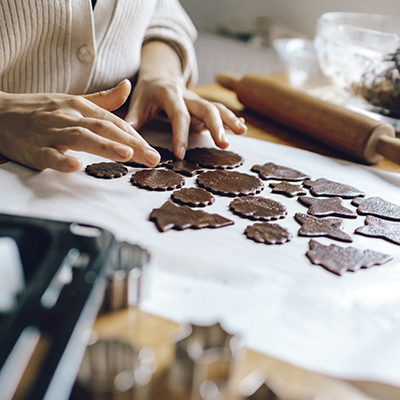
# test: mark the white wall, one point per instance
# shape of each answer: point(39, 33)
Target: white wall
point(300, 15)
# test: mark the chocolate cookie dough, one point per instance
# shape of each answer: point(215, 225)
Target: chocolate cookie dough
point(376, 227)
point(273, 171)
point(172, 216)
point(193, 197)
point(184, 168)
point(106, 170)
point(314, 226)
point(166, 157)
point(229, 183)
point(325, 207)
point(265, 232)
point(157, 179)
point(378, 207)
point(258, 208)
point(324, 187)
point(287, 189)
point(213, 158)
point(338, 259)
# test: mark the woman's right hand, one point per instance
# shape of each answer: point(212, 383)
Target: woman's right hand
point(36, 130)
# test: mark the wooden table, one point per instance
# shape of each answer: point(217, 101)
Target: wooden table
point(296, 383)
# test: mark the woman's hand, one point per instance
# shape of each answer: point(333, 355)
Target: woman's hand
point(37, 129)
point(160, 87)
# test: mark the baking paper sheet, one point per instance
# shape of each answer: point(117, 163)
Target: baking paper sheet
point(279, 302)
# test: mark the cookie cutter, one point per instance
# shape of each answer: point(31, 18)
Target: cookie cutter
point(128, 283)
point(205, 357)
point(112, 369)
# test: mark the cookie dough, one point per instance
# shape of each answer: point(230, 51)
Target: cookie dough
point(258, 208)
point(157, 179)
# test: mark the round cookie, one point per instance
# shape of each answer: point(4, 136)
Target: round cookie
point(193, 197)
point(106, 170)
point(157, 179)
point(213, 158)
point(265, 232)
point(258, 208)
point(229, 183)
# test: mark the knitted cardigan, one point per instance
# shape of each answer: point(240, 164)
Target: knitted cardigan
point(55, 46)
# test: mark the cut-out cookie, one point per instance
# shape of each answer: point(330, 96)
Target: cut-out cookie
point(287, 189)
point(326, 207)
point(265, 232)
point(184, 168)
point(273, 171)
point(338, 259)
point(258, 208)
point(157, 179)
point(213, 158)
point(172, 216)
point(314, 226)
point(376, 227)
point(230, 183)
point(378, 207)
point(166, 157)
point(193, 197)
point(324, 187)
point(106, 170)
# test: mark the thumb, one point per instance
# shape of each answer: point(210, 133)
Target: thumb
point(113, 98)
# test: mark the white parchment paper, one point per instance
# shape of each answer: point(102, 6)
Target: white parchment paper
point(272, 295)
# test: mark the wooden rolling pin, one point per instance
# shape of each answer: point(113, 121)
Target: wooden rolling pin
point(355, 134)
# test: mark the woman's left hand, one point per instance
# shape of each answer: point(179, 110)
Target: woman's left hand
point(186, 110)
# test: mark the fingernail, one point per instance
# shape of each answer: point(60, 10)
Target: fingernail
point(240, 124)
point(181, 153)
point(152, 157)
point(223, 137)
point(124, 151)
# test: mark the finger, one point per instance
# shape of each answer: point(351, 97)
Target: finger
point(210, 115)
point(48, 157)
point(82, 139)
point(230, 120)
point(140, 112)
point(113, 98)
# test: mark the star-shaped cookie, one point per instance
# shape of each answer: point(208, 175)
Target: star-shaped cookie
point(379, 228)
point(314, 226)
point(326, 207)
point(287, 189)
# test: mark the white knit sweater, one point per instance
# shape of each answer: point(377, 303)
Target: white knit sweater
point(63, 46)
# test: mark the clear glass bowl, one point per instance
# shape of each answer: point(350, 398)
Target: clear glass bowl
point(360, 53)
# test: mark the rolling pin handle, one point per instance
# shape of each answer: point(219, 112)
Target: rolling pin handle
point(228, 80)
point(389, 147)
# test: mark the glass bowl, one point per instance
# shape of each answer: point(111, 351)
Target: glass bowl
point(360, 53)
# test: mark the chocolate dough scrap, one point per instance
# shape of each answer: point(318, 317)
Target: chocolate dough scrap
point(287, 189)
point(326, 207)
point(157, 179)
point(185, 168)
point(376, 227)
point(230, 183)
point(338, 259)
point(172, 216)
point(314, 226)
point(265, 232)
point(258, 208)
point(167, 156)
point(378, 207)
point(193, 197)
point(213, 158)
point(324, 187)
point(273, 171)
point(106, 170)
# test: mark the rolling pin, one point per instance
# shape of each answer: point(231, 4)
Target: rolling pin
point(355, 134)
